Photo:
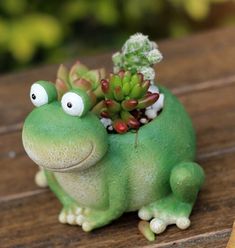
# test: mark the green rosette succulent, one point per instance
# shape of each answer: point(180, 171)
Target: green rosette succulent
point(80, 77)
point(125, 96)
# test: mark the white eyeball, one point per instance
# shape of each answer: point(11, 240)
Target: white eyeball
point(72, 104)
point(38, 95)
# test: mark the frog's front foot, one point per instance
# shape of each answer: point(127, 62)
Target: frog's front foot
point(90, 219)
point(69, 215)
point(186, 179)
point(87, 218)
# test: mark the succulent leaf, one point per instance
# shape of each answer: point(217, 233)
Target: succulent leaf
point(63, 73)
point(118, 94)
point(120, 126)
point(112, 106)
point(99, 107)
point(129, 104)
point(129, 119)
point(147, 101)
point(61, 87)
point(82, 83)
point(136, 92)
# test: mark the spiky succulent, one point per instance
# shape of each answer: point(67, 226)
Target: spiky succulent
point(80, 77)
point(138, 54)
point(125, 96)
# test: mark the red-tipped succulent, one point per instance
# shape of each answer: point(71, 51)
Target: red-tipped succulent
point(126, 95)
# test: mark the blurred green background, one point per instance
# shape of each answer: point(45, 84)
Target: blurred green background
point(38, 31)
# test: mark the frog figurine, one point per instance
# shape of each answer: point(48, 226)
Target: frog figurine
point(98, 174)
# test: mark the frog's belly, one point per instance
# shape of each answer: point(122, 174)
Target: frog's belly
point(88, 190)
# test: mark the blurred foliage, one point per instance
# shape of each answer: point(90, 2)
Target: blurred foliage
point(38, 31)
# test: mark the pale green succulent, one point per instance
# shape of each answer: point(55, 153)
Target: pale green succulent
point(138, 54)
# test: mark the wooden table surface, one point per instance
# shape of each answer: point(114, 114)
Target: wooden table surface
point(200, 70)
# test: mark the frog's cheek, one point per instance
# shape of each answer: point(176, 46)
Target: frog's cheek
point(59, 157)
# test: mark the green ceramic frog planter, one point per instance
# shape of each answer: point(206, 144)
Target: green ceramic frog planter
point(109, 145)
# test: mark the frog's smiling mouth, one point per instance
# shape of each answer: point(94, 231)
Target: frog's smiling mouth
point(77, 164)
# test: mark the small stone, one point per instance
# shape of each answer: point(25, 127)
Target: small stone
point(158, 105)
point(151, 113)
point(143, 120)
point(153, 89)
point(110, 128)
point(106, 122)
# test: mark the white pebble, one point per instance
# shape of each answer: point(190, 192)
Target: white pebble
point(143, 120)
point(110, 128)
point(106, 122)
point(153, 89)
point(157, 225)
point(158, 105)
point(151, 113)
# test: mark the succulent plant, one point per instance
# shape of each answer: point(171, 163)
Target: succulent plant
point(80, 77)
point(126, 99)
point(125, 96)
point(138, 54)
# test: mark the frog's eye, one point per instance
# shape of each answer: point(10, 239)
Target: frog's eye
point(42, 92)
point(75, 103)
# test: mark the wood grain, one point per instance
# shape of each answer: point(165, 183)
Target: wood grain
point(200, 71)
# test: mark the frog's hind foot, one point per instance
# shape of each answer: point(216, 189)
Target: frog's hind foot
point(186, 180)
point(166, 212)
point(87, 218)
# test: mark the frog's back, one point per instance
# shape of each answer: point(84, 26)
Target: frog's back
point(145, 159)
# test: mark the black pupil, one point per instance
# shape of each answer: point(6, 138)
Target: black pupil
point(69, 105)
point(33, 97)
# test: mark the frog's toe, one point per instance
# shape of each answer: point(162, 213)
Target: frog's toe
point(183, 223)
point(145, 213)
point(62, 217)
point(71, 215)
point(71, 219)
point(80, 219)
point(78, 211)
point(158, 225)
point(87, 226)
